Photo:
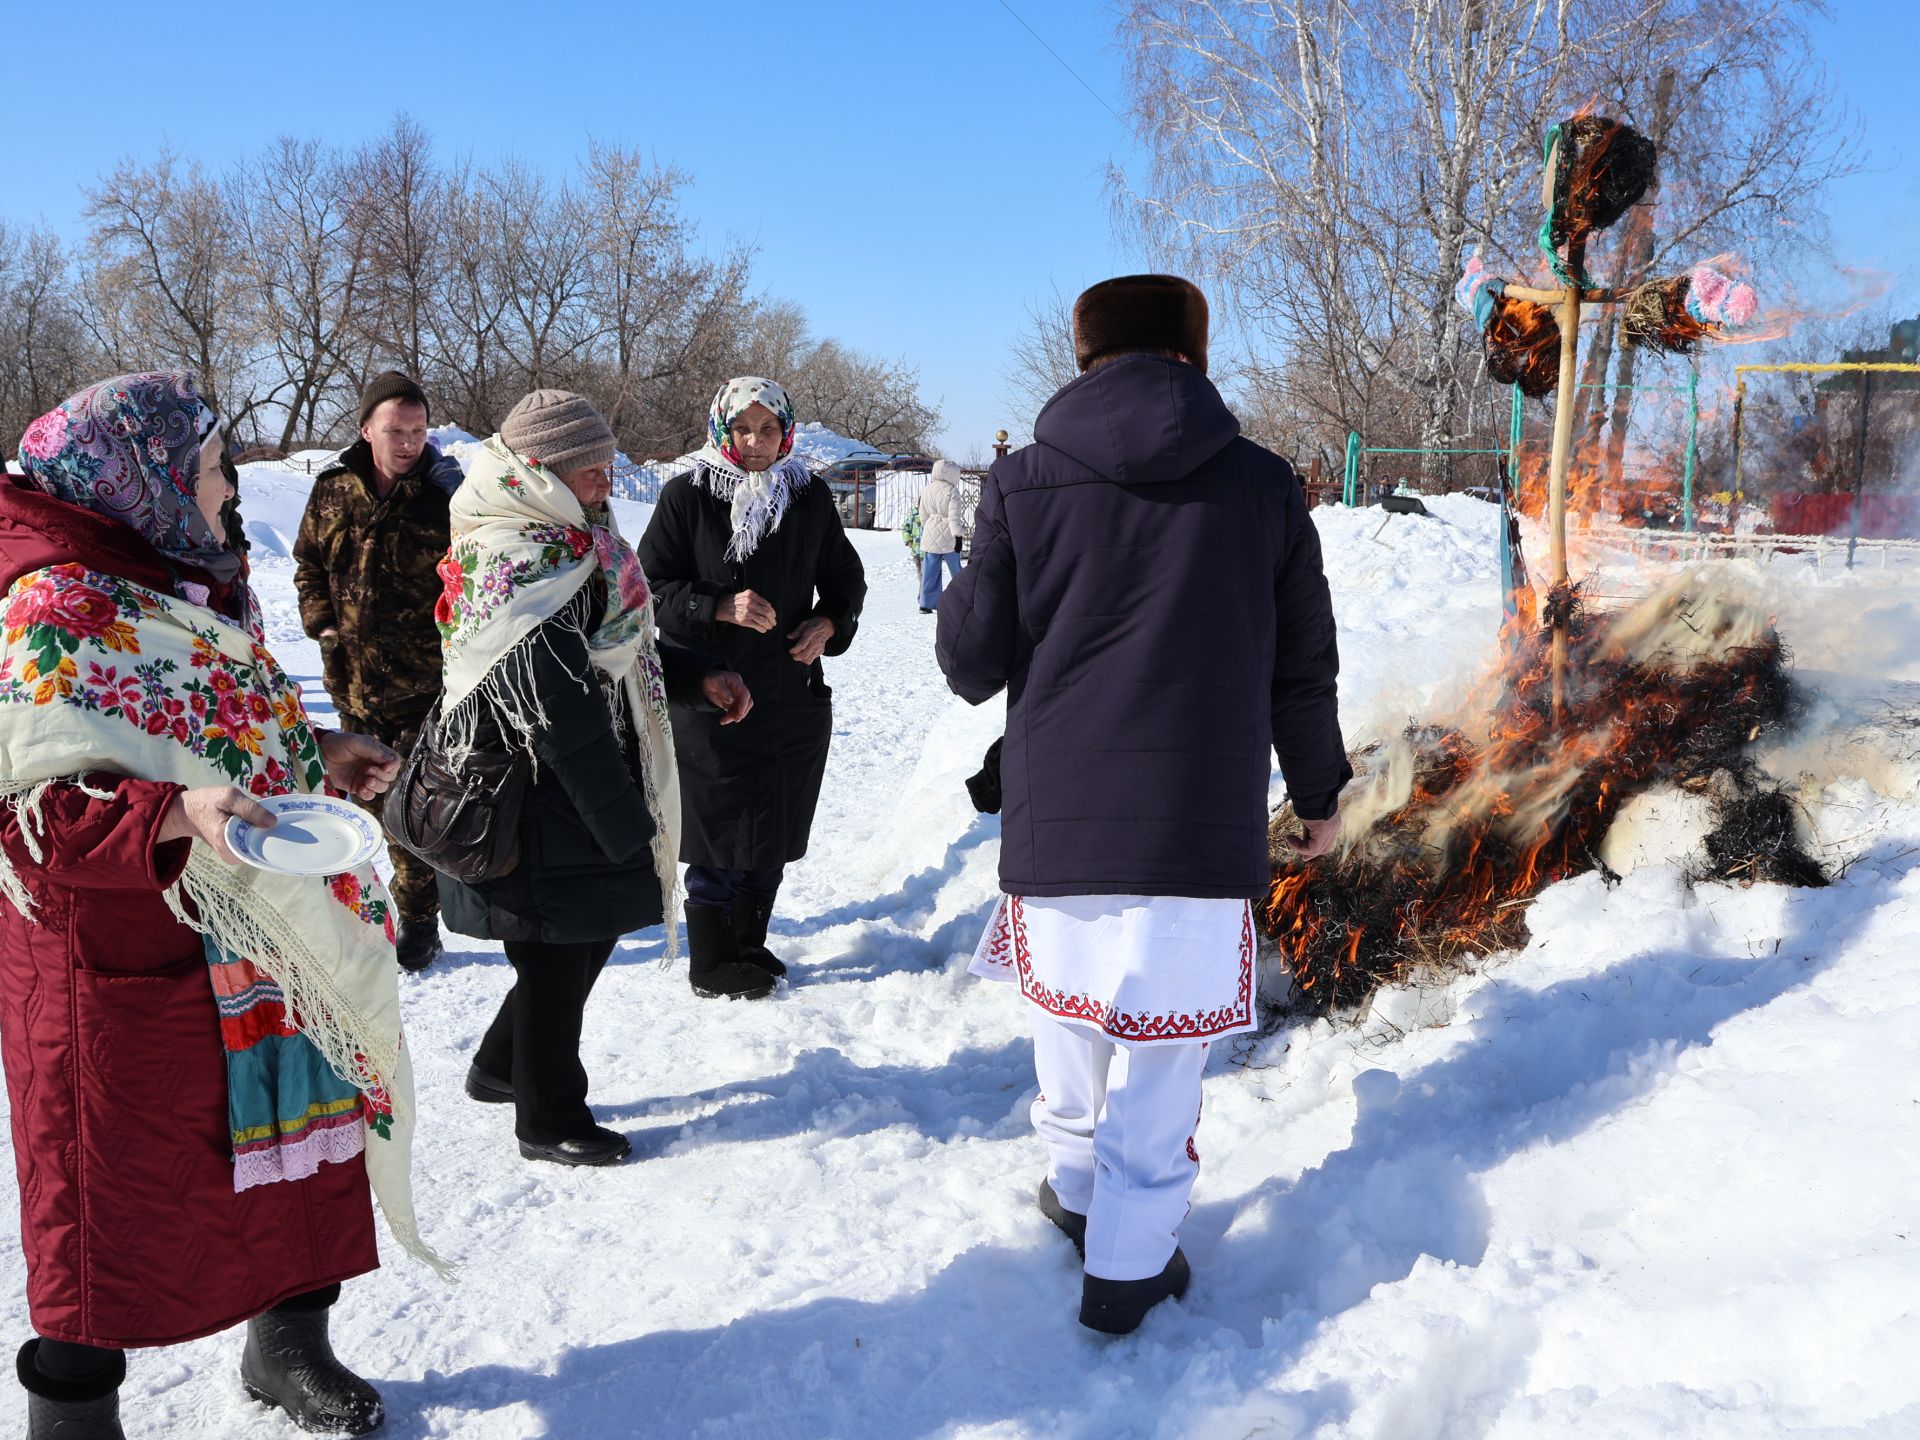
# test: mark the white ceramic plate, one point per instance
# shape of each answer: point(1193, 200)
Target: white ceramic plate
point(317, 835)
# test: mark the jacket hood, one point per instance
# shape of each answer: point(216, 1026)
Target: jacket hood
point(37, 530)
point(1139, 420)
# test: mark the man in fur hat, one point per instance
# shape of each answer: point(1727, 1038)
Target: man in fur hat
point(1146, 585)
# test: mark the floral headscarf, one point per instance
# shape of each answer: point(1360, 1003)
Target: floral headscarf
point(757, 500)
point(734, 399)
point(129, 449)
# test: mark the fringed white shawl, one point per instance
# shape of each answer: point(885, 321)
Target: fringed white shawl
point(757, 500)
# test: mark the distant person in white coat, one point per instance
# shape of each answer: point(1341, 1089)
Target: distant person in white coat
point(943, 520)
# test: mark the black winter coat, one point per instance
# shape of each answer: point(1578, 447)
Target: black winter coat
point(586, 837)
point(748, 791)
point(1147, 587)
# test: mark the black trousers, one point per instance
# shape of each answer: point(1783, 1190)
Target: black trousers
point(535, 1039)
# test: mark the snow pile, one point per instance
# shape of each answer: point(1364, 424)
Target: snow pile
point(1651, 1175)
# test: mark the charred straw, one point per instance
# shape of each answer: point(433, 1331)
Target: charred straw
point(1452, 833)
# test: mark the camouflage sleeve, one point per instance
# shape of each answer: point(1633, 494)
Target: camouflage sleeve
point(311, 580)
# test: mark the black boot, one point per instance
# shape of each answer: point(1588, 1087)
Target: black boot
point(60, 1409)
point(1072, 1225)
point(418, 944)
point(488, 1089)
point(714, 964)
point(602, 1147)
point(289, 1362)
point(751, 912)
point(1116, 1307)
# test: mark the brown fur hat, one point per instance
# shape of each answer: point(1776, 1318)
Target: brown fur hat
point(1140, 312)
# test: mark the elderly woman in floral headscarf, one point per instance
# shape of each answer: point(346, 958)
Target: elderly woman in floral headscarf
point(748, 561)
point(547, 639)
point(204, 1060)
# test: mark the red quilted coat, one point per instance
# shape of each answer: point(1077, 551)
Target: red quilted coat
point(111, 1038)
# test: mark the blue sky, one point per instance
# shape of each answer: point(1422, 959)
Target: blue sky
point(914, 172)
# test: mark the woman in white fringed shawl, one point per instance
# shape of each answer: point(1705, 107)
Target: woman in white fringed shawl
point(547, 639)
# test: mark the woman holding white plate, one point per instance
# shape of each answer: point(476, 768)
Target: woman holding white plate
point(204, 1059)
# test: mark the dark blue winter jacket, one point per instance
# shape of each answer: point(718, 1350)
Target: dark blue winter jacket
point(1147, 586)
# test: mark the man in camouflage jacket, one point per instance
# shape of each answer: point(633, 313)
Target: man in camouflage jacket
point(374, 529)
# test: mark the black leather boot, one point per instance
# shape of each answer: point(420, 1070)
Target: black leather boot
point(417, 945)
point(602, 1147)
point(488, 1089)
point(71, 1409)
point(1116, 1307)
point(751, 912)
point(713, 958)
point(289, 1363)
point(1072, 1224)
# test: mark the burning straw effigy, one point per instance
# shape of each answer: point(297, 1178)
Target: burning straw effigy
point(1456, 825)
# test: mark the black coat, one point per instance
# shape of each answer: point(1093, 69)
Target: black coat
point(586, 853)
point(1147, 587)
point(748, 791)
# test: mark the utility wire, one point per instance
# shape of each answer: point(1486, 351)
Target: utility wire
point(1063, 64)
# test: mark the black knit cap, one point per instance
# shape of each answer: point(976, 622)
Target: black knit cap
point(1141, 312)
point(391, 385)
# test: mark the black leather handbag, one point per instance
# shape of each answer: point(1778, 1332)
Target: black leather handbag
point(463, 822)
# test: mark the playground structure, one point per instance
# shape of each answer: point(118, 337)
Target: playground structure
point(1353, 488)
point(1866, 370)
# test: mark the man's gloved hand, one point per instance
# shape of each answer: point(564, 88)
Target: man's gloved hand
point(984, 785)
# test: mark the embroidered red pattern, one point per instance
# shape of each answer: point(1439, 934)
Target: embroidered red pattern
point(1123, 1024)
point(999, 947)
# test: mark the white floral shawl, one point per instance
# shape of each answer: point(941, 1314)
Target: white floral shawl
point(522, 548)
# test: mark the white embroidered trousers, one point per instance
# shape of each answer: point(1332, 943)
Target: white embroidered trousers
point(1118, 1123)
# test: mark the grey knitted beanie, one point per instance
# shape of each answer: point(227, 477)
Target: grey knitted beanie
point(559, 429)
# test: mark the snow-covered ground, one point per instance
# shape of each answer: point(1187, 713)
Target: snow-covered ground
point(1656, 1174)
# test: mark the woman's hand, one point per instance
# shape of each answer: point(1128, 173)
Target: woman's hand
point(810, 639)
point(203, 814)
point(358, 765)
point(743, 607)
point(727, 692)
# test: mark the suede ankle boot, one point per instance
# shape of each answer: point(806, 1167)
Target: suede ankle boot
point(713, 958)
point(751, 912)
point(59, 1409)
point(289, 1363)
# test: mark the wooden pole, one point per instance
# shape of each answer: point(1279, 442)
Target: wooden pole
point(1564, 406)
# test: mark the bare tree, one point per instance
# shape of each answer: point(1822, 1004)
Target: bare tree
point(1041, 358)
point(287, 284)
point(1327, 165)
point(546, 273)
point(470, 369)
point(398, 223)
point(166, 282)
point(309, 276)
point(44, 352)
point(1332, 160)
point(864, 398)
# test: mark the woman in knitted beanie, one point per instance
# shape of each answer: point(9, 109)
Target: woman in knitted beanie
point(749, 562)
point(547, 634)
